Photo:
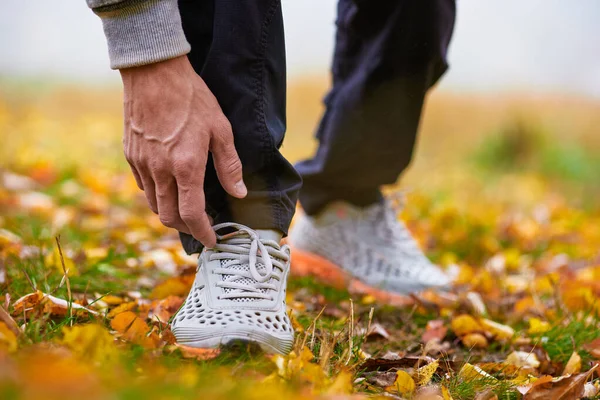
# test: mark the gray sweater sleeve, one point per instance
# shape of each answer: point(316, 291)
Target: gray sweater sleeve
point(141, 32)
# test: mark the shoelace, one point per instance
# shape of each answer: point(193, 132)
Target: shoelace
point(244, 247)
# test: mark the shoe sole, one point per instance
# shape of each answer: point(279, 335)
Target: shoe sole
point(199, 338)
point(309, 264)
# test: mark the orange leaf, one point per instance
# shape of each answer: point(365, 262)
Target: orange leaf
point(134, 329)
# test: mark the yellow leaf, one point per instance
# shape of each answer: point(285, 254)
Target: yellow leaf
point(342, 384)
point(500, 331)
point(177, 286)
point(91, 342)
point(423, 375)
point(463, 324)
point(474, 340)
point(53, 259)
point(8, 339)
point(536, 326)
point(573, 365)
point(470, 371)
point(522, 359)
point(404, 384)
point(446, 393)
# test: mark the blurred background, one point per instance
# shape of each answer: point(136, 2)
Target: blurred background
point(522, 92)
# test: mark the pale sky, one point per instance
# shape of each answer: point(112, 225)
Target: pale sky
point(531, 45)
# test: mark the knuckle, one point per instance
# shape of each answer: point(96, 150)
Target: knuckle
point(168, 220)
point(188, 215)
point(222, 130)
point(183, 165)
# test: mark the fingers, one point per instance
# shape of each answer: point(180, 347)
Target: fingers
point(149, 190)
point(168, 204)
point(190, 186)
point(227, 162)
point(136, 175)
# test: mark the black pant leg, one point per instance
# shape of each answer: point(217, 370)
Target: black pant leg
point(387, 55)
point(241, 57)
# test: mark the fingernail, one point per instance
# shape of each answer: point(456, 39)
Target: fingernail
point(240, 188)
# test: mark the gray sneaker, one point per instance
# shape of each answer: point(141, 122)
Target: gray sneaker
point(366, 244)
point(238, 294)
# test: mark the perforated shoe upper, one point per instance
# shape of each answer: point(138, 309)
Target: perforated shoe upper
point(369, 243)
point(238, 294)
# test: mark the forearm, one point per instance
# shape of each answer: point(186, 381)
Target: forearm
point(141, 32)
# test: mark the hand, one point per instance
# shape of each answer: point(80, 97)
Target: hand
point(172, 121)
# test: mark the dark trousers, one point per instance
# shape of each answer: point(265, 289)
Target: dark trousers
point(388, 54)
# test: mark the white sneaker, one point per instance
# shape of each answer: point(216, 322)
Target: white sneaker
point(366, 244)
point(238, 294)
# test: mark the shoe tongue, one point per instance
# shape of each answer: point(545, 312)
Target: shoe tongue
point(235, 267)
point(269, 234)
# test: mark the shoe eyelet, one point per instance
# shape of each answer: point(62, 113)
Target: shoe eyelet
point(218, 297)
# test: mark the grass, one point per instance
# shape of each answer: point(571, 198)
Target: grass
point(489, 187)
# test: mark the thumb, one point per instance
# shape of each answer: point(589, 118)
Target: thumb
point(227, 162)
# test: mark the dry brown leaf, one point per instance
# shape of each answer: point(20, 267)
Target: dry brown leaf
point(487, 394)
point(563, 388)
point(435, 329)
point(163, 310)
point(45, 303)
point(377, 330)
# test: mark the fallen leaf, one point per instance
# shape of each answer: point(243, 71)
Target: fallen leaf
point(163, 310)
point(8, 339)
point(563, 388)
point(537, 326)
point(46, 303)
point(446, 393)
point(403, 385)
point(377, 330)
point(523, 359)
point(573, 366)
point(463, 324)
point(487, 394)
point(435, 329)
point(134, 329)
point(422, 376)
point(500, 331)
point(129, 306)
point(473, 372)
point(342, 384)
point(90, 342)
point(177, 286)
point(475, 341)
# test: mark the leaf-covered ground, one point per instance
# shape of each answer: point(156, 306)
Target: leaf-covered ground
point(89, 278)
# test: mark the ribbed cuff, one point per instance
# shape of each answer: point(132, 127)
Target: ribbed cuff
point(143, 32)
